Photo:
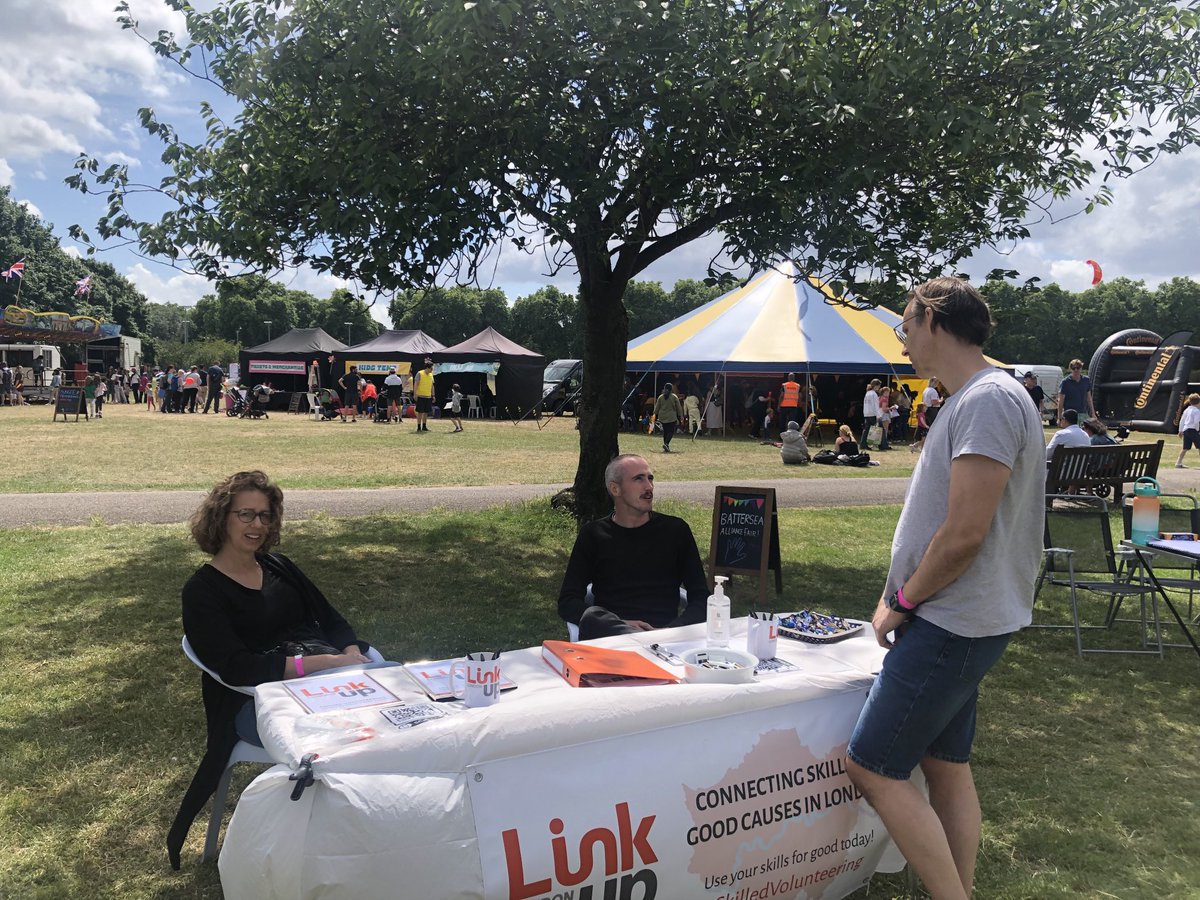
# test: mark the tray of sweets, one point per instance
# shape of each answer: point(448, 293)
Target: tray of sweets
point(817, 628)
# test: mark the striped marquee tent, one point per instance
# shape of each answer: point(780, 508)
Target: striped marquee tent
point(774, 325)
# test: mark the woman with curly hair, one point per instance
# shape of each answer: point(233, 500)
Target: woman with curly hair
point(250, 616)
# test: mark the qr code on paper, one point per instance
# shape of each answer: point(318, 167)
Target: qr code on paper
point(409, 715)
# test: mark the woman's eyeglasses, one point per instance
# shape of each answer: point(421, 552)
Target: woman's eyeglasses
point(249, 515)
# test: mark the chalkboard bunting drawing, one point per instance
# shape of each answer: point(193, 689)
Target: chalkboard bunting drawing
point(745, 535)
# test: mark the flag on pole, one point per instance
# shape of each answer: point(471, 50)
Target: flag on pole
point(17, 269)
point(83, 285)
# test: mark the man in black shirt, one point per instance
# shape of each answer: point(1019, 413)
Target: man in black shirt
point(1036, 394)
point(634, 562)
point(216, 375)
point(349, 384)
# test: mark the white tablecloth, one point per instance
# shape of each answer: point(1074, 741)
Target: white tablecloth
point(668, 791)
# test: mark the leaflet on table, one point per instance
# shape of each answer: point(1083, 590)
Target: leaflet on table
point(407, 715)
point(585, 665)
point(434, 678)
point(321, 693)
point(773, 666)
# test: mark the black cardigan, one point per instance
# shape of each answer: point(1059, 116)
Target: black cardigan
point(210, 622)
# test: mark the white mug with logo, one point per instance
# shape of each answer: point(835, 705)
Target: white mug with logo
point(481, 679)
point(762, 635)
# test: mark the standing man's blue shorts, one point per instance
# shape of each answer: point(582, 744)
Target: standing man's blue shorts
point(923, 702)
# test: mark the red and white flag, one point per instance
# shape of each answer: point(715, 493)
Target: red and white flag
point(83, 285)
point(16, 269)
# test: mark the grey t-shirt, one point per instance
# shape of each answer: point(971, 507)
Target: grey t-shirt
point(988, 416)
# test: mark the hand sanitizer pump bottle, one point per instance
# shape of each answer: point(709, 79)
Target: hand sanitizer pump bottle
point(718, 614)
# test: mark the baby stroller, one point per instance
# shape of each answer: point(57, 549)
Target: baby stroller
point(381, 411)
point(235, 404)
point(257, 407)
point(328, 402)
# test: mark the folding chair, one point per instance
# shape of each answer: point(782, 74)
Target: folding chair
point(1079, 555)
point(243, 751)
point(1177, 512)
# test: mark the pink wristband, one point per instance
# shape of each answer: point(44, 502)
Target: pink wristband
point(299, 661)
point(903, 601)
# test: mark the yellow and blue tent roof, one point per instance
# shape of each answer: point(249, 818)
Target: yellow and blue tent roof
point(774, 323)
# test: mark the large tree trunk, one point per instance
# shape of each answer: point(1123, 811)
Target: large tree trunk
point(605, 334)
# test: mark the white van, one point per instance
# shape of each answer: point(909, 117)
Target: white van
point(1048, 378)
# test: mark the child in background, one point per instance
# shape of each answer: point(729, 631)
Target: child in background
point(101, 392)
point(1189, 428)
point(456, 399)
point(922, 430)
point(89, 394)
point(691, 408)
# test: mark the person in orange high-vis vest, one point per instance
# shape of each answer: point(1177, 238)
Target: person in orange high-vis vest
point(789, 402)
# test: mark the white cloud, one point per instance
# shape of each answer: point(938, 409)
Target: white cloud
point(124, 159)
point(6, 172)
point(31, 208)
point(179, 287)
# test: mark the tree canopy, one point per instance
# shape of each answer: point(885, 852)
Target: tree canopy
point(51, 273)
point(397, 142)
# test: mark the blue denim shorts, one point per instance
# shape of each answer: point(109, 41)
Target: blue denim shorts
point(923, 702)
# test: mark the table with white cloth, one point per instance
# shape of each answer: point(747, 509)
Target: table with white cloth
point(728, 791)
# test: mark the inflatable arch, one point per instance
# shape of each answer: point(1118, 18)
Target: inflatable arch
point(1141, 380)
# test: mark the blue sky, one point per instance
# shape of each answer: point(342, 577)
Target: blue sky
point(73, 81)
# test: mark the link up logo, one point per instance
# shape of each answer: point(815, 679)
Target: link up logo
point(618, 851)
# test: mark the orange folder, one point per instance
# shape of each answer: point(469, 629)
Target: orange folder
point(584, 665)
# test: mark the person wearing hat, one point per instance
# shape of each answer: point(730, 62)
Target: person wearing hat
point(668, 412)
point(1036, 394)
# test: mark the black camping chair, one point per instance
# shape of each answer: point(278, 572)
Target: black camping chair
point(1080, 556)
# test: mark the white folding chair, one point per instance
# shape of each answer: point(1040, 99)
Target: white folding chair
point(474, 410)
point(243, 751)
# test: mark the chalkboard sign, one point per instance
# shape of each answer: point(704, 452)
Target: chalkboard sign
point(70, 402)
point(745, 535)
point(294, 402)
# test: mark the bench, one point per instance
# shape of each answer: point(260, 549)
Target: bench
point(1101, 470)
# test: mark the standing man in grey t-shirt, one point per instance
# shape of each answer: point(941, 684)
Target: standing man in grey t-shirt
point(964, 560)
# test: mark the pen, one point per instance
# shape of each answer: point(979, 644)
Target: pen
point(664, 654)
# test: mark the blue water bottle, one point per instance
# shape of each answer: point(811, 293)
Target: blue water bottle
point(1146, 506)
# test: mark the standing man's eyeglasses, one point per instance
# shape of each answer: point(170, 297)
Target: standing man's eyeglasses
point(899, 331)
point(1076, 368)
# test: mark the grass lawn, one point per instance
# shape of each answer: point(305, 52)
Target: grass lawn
point(1089, 771)
point(132, 449)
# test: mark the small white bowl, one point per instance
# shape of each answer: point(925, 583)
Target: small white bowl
point(698, 674)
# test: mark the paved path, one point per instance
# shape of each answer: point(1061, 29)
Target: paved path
point(176, 506)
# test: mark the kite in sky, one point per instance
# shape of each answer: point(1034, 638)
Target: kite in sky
point(1097, 275)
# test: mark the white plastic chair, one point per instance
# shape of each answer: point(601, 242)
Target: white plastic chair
point(474, 410)
point(243, 751)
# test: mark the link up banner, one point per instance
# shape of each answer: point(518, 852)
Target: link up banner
point(747, 807)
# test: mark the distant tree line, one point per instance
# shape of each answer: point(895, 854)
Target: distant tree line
point(1050, 325)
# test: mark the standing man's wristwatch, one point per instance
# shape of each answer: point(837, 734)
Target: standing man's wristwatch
point(896, 602)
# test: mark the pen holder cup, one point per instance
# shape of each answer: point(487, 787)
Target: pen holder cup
point(480, 685)
point(724, 666)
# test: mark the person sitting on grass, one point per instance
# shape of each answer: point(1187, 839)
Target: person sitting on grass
point(251, 616)
point(844, 444)
point(795, 449)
